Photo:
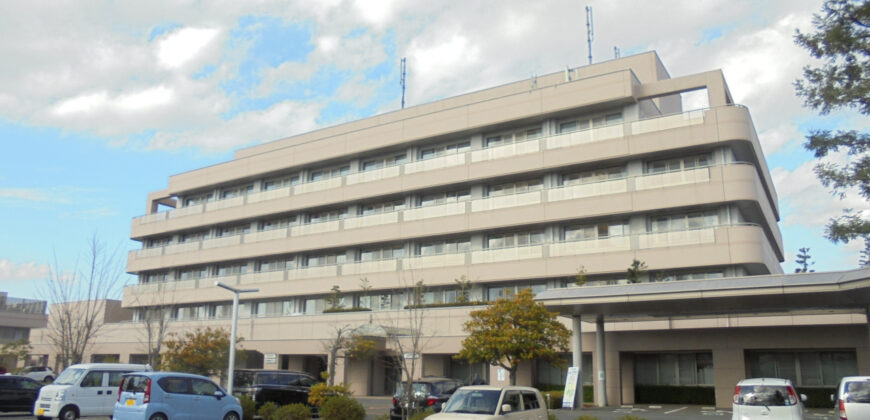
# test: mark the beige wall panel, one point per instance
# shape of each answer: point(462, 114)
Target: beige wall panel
point(386, 134)
point(445, 121)
point(509, 108)
point(585, 153)
point(594, 90)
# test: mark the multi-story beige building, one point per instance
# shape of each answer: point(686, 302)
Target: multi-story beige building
point(515, 186)
point(17, 317)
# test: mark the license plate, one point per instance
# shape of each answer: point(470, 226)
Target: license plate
point(131, 402)
point(40, 412)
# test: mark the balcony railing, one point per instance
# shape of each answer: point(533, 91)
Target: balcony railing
point(555, 141)
point(554, 194)
point(639, 241)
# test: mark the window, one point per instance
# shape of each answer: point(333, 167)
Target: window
point(271, 265)
point(382, 162)
point(136, 383)
point(233, 192)
point(513, 136)
point(600, 230)
point(156, 277)
point(585, 122)
point(512, 398)
point(279, 182)
point(193, 236)
point(679, 276)
point(680, 164)
point(326, 173)
point(444, 247)
point(385, 207)
point(158, 242)
point(445, 149)
point(175, 385)
point(804, 368)
point(274, 224)
point(225, 231)
point(115, 379)
point(231, 269)
point(508, 240)
point(192, 273)
point(385, 253)
point(196, 199)
point(319, 260)
point(92, 379)
point(444, 198)
point(530, 401)
point(596, 175)
point(681, 222)
point(516, 187)
point(327, 215)
point(673, 369)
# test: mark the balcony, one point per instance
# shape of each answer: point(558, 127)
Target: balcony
point(552, 142)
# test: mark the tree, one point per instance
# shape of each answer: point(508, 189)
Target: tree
point(407, 338)
point(865, 254)
point(463, 287)
point(79, 299)
point(15, 350)
point(202, 351)
point(803, 261)
point(635, 271)
point(334, 300)
point(580, 279)
point(842, 41)
point(345, 344)
point(155, 316)
point(514, 330)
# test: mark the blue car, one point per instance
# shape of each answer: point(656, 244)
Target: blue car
point(173, 396)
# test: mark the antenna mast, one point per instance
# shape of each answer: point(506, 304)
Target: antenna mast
point(616, 52)
point(402, 81)
point(590, 31)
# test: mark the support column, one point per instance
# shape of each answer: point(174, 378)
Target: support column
point(599, 359)
point(577, 358)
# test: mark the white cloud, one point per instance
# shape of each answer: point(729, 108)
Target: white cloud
point(147, 98)
point(182, 45)
point(24, 194)
point(11, 271)
point(774, 138)
point(82, 103)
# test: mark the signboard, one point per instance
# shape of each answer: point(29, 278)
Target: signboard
point(411, 355)
point(500, 376)
point(570, 393)
point(270, 358)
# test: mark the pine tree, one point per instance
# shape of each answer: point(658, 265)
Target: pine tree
point(803, 261)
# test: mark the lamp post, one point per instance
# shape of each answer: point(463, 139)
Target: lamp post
point(232, 365)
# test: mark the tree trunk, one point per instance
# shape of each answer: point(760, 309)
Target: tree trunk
point(513, 374)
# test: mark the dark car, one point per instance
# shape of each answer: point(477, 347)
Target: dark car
point(17, 393)
point(281, 387)
point(428, 392)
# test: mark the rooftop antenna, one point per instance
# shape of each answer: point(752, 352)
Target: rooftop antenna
point(402, 81)
point(590, 31)
point(616, 52)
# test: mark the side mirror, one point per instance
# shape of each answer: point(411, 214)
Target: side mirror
point(219, 394)
point(505, 408)
point(803, 397)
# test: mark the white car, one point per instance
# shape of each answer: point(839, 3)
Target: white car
point(853, 398)
point(494, 403)
point(38, 373)
point(768, 399)
point(89, 389)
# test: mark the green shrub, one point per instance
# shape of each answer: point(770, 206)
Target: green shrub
point(342, 408)
point(587, 417)
point(630, 417)
point(554, 398)
point(293, 412)
point(552, 416)
point(249, 407)
point(267, 411)
point(321, 392)
point(420, 415)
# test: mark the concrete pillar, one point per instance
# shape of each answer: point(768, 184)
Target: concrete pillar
point(577, 358)
point(729, 368)
point(599, 359)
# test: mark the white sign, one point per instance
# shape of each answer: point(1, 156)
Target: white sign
point(570, 393)
point(270, 358)
point(411, 355)
point(501, 374)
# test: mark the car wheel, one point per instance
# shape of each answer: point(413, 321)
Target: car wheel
point(48, 379)
point(158, 416)
point(231, 416)
point(69, 413)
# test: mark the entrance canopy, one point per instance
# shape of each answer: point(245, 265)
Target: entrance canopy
point(806, 293)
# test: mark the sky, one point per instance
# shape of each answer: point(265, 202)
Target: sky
point(101, 101)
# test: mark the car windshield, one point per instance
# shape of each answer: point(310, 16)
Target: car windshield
point(69, 376)
point(276, 379)
point(418, 388)
point(473, 401)
point(857, 392)
point(766, 395)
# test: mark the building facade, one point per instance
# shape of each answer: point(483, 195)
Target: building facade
point(536, 183)
point(17, 318)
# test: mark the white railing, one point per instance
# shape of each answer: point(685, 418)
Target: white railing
point(668, 122)
point(428, 212)
point(313, 228)
point(269, 195)
point(591, 135)
point(373, 175)
point(676, 238)
point(591, 246)
point(591, 189)
point(366, 267)
point(183, 247)
point(186, 211)
point(265, 235)
point(262, 277)
point(317, 186)
point(504, 201)
point(155, 217)
point(312, 272)
point(372, 220)
point(508, 150)
point(219, 242)
point(225, 203)
point(507, 254)
point(669, 179)
point(432, 164)
point(433, 261)
point(149, 252)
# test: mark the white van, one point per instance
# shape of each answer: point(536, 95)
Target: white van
point(83, 390)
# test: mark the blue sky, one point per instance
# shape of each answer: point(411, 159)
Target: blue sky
point(102, 103)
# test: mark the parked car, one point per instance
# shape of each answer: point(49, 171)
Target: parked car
point(852, 400)
point(38, 373)
point(17, 393)
point(165, 395)
point(428, 392)
point(486, 402)
point(281, 387)
point(768, 399)
point(83, 390)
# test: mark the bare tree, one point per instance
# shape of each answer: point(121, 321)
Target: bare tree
point(155, 316)
point(345, 344)
point(79, 298)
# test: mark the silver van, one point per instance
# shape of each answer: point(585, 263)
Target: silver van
point(83, 390)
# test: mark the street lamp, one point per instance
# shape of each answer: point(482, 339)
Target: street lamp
point(232, 366)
